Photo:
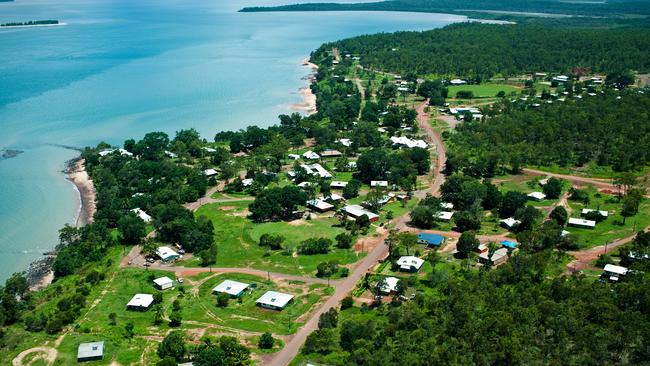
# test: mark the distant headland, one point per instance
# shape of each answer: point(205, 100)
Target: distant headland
point(31, 23)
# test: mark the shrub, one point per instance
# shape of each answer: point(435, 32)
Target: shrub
point(266, 341)
point(223, 299)
point(315, 246)
point(347, 302)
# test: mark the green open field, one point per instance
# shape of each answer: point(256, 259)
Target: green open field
point(483, 90)
point(237, 240)
point(611, 228)
point(247, 315)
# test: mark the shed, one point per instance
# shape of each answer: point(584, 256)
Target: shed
point(210, 172)
point(509, 223)
point(311, 155)
point(379, 183)
point(581, 223)
point(536, 196)
point(140, 302)
point(431, 239)
point(163, 283)
point(274, 300)
point(585, 211)
point(614, 272)
point(92, 351)
point(330, 153)
point(232, 288)
point(410, 263)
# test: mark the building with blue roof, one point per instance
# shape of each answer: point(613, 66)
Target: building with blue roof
point(509, 244)
point(431, 239)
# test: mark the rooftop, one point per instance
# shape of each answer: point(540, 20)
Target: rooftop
point(90, 350)
point(141, 300)
point(275, 299)
point(231, 287)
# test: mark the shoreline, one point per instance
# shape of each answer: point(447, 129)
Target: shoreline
point(309, 98)
point(77, 175)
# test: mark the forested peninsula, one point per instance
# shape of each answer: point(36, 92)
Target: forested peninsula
point(30, 23)
point(459, 6)
point(487, 50)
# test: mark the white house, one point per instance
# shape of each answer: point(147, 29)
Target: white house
point(338, 184)
point(209, 149)
point(585, 211)
point(379, 183)
point(356, 211)
point(334, 197)
point(311, 155)
point(457, 82)
point(140, 302)
point(352, 165)
point(293, 156)
point(499, 256)
point(320, 205)
point(320, 171)
point(390, 285)
point(410, 263)
point(444, 215)
point(581, 223)
point(561, 78)
point(166, 254)
point(274, 300)
point(163, 283)
point(110, 151)
point(92, 351)
point(509, 223)
point(141, 214)
point(614, 272)
point(305, 184)
point(344, 142)
point(536, 196)
point(232, 288)
point(247, 182)
point(210, 172)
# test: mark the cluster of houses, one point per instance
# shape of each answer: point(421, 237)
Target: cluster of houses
point(269, 300)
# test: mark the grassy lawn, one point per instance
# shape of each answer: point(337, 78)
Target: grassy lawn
point(237, 239)
point(118, 349)
point(611, 228)
point(483, 90)
point(247, 315)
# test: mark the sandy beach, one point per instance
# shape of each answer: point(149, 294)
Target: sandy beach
point(309, 99)
point(79, 177)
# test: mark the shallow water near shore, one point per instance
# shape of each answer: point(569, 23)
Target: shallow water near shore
point(119, 69)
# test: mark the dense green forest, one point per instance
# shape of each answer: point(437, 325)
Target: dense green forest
point(608, 8)
point(603, 129)
point(473, 49)
point(513, 315)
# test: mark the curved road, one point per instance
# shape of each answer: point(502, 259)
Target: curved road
point(343, 287)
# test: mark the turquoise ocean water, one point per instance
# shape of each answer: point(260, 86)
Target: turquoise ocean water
point(119, 69)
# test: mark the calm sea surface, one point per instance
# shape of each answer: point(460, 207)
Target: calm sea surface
point(119, 69)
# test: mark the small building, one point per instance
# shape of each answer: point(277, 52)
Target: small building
point(410, 263)
point(352, 165)
point(122, 152)
point(310, 155)
point(293, 156)
point(457, 82)
point(356, 211)
point(335, 197)
point(499, 256)
point(561, 78)
point(482, 248)
point(431, 239)
point(140, 302)
point(320, 205)
point(389, 286)
point(163, 283)
point(379, 183)
point(444, 216)
point(338, 184)
point(585, 211)
point(232, 288)
point(166, 254)
point(410, 143)
point(247, 182)
point(509, 244)
point(510, 223)
point(211, 172)
point(142, 215)
point(613, 272)
point(274, 300)
point(209, 149)
point(330, 153)
point(582, 223)
point(536, 196)
point(543, 182)
point(92, 351)
point(318, 169)
point(305, 184)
